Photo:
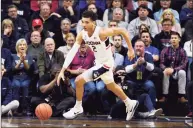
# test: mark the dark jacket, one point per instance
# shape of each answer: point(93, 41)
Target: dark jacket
point(10, 42)
point(161, 40)
point(6, 91)
point(44, 63)
point(52, 24)
point(6, 60)
point(21, 26)
point(66, 14)
point(59, 41)
point(142, 68)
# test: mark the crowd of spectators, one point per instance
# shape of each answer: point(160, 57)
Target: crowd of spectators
point(37, 35)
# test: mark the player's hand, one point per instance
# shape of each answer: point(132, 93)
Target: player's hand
point(60, 76)
point(131, 54)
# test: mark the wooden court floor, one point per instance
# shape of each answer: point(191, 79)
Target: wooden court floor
point(96, 121)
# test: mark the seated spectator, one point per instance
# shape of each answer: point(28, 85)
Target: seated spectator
point(186, 13)
point(60, 36)
point(162, 39)
point(60, 98)
point(6, 60)
point(140, 87)
point(165, 4)
point(69, 11)
point(111, 24)
point(91, 7)
point(189, 30)
point(51, 21)
point(7, 102)
point(139, 70)
point(167, 14)
point(35, 48)
point(23, 9)
point(188, 46)
point(118, 16)
point(37, 25)
point(49, 57)
point(70, 40)
point(118, 58)
point(35, 5)
point(189, 93)
point(9, 35)
point(173, 62)
point(22, 67)
point(20, 24)
point(119, 48)
point(99, 10)
point(140, 2)
point(143, 18)
point(142, 27)
point(146, 38)
point(108, 14)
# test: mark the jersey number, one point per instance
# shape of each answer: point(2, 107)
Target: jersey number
point(94, 48)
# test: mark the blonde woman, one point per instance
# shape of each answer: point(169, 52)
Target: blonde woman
point(167, 14)
point(8, 35)
point(21, 67)
point(70, 40)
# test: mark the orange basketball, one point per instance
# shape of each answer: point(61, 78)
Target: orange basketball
point(43, 111)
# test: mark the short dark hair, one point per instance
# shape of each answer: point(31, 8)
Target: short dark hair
point(144, 31)
point(90, 14)
point(175, 33)
point(143, 7)
point(166, 20)
point(11, 6)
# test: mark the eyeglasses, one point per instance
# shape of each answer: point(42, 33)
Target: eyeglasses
point(35, 36)
point(165, 0)
point(166, 24)
point(113, 25)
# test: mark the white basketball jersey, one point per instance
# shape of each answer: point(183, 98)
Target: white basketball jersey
point(103, 53)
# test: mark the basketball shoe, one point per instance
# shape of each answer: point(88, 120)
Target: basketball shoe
point(74, 112)
point(130, 109)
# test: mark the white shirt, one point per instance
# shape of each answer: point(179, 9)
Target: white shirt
point(188, 48)
point(102, 52)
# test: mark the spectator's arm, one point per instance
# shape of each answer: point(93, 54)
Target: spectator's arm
point(25, 28)
point(132, 29)
point(105, 16)
point(41, 64)
point(162, 58)
point(48, 87)
point(183, 61)
point(154, 28)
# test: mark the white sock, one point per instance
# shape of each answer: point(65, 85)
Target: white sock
point(127, 101)
point(78, 104)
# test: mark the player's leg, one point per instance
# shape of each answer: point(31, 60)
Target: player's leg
point(80, 82)
point(131, 105)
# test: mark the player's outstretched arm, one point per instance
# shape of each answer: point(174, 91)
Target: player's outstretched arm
point(70, 57)
point(106, 32)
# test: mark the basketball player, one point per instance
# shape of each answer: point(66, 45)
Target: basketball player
point(95, 37)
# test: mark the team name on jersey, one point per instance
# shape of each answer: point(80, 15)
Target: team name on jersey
point(93, 42)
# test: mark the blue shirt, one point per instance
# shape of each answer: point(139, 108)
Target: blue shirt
point(21, 72)
point(152, 50)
